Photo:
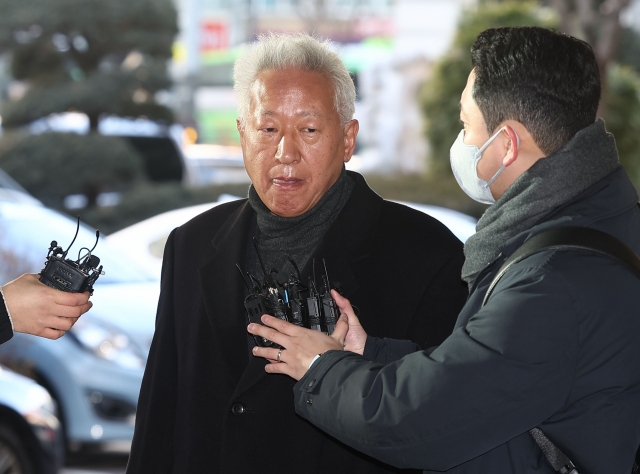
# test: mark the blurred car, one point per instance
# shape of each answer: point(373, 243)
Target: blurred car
point(145, 241)
point(159, 145)
point(214, 164)
point(30, 438)
point(94, 372)
point(461, 225)
point(11, 191)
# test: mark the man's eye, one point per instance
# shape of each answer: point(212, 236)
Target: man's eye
point(310, 130)
point(268, 129)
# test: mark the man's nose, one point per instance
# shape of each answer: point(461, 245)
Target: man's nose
point(287, 151)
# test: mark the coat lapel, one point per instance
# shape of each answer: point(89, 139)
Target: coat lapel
point(349, 239)
point(223, 291)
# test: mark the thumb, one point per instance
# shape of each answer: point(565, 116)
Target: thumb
point(341, 329)
point(343, 303)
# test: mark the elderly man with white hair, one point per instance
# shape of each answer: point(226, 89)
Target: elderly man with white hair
point(206, 405)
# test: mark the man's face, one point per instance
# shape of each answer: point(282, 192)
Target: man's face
point(292, 141)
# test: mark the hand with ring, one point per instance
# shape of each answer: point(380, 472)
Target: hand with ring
point(303, 345)
point(299, 345)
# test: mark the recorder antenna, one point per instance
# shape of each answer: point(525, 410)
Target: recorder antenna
point(244, 278)
point(326, 274)
point(255, 245)
point(97, 238)
point(314, 272)
point(64, 255)
point(294, 266)
point(255, 282)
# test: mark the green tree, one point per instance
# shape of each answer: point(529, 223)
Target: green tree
point(97, 57)
point(623, 116)
point(629, 51)
point(43, 165)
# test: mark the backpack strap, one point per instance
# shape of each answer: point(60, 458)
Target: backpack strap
point(580, 239)
point(571, 238)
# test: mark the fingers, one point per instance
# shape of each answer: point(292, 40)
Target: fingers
point(86, 307)
point(68, 311)
point(40, 310)
point(275, 366)
point(269, 333)
point(50, 333)
point(269, 353)
point(342, 327)
point(281, 326)
point(61, 324)
point(69, 299)
point(279, 369)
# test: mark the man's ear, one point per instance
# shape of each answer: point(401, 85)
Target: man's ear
point(512, 146)
point(240, 128)
point(350, 133)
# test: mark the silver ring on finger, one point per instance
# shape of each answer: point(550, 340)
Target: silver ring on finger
point(279, 354)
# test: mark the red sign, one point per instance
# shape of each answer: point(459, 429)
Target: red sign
point(372, 26)
point(215, 35)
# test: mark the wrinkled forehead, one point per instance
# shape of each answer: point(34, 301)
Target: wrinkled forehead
point(294, 92)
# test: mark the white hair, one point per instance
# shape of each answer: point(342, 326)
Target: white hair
point(302, 51)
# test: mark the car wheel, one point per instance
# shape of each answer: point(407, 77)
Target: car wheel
point(13, 455)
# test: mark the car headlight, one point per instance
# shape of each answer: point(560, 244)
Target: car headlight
point(108, 342)
point(41, 414)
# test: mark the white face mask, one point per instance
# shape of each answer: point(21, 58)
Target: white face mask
point(464, 164)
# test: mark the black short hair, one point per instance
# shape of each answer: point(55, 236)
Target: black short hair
point(546, 80)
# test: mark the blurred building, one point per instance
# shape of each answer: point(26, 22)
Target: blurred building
point(388, 46)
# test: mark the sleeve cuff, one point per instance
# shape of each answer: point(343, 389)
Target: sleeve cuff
point(6, 323)
point(385, 351)
point(314, 359)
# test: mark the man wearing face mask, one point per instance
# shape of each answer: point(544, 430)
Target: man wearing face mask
point(206, 404)
point(554, 347)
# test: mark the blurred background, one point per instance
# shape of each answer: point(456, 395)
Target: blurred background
point(119, 110)
point(122, 112)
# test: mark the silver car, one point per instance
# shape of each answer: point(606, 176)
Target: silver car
point(30, 441)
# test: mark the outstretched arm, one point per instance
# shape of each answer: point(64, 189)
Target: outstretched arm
point(34, 308)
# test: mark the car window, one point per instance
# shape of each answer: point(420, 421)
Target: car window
point(27, 231)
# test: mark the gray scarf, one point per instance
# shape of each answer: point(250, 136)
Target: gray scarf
point(552, 181)
point(298, 236)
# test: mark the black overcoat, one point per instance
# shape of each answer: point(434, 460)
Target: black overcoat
point(206, 404)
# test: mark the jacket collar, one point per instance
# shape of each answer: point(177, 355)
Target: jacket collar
point(608, 197)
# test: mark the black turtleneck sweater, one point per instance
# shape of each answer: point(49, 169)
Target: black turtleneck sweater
point(296, 237)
